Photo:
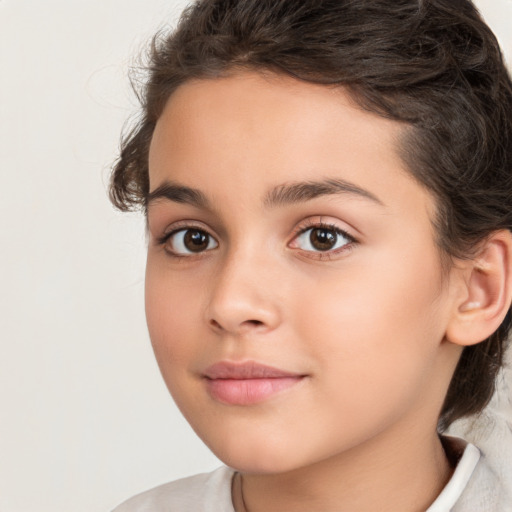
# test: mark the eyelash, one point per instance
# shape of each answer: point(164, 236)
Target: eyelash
point(303, 228)
point(162, 241)
point(329, 254)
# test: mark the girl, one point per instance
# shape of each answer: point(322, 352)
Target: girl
point(328, 193)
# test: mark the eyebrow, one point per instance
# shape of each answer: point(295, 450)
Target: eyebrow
point(179, 194)
point(281, 195)
point(306, 190)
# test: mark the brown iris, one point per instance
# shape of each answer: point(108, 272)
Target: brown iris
point(323, 239)
point(195, 240)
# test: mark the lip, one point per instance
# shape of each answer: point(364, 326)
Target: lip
point(247, 383)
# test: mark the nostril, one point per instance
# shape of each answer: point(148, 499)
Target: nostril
point(246, 323)
point(215, 324)
point(254, 322)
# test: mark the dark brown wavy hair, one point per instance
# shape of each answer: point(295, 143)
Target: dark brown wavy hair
point(433, 64)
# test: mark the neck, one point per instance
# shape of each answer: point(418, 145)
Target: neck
point(380, 476)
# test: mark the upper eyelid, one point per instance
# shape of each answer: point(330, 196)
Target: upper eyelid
point(331, 254)
point(311, 224)
point(162, 239)
point(351, 240)
point(321, 225)
point(185, 224)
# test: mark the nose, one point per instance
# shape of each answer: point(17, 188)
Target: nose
point(243, 298)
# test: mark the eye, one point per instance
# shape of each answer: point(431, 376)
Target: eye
point(322, 238)
point(189, 241)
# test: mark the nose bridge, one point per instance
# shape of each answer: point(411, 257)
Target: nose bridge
point(242, 293)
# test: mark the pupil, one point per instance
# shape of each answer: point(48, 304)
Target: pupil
point(196, 241)
point(323, 239)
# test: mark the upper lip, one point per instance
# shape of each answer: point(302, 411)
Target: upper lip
point(246, 370)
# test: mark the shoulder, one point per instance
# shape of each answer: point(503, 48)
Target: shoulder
point(206, 492)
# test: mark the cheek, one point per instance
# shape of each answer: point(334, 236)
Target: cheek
point(375, 330)
point(375, 303)
point(172, 310)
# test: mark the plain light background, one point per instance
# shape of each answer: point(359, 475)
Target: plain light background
point(85, 419)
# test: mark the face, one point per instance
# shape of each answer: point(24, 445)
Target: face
point(294, 293)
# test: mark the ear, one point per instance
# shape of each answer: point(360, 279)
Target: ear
point(484, 292)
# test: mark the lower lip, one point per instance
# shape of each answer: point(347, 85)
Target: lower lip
point(248, 391)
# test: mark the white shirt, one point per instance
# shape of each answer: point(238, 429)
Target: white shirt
point(473, 487)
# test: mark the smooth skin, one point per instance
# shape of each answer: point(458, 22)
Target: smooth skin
point(235, 273)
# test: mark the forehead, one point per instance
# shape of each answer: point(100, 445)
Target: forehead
point(250, 132)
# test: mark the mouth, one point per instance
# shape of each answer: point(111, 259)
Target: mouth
point(247, 383)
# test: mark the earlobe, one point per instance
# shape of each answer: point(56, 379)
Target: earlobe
point(479, 311)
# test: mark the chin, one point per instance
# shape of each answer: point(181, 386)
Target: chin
point(250, 454)
point(258, 463)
